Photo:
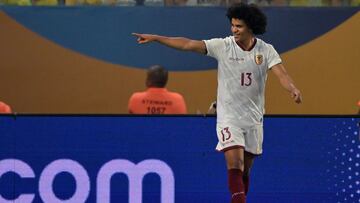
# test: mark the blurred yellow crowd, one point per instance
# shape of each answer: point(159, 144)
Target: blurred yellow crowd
point(295, 3)
point(56, 2)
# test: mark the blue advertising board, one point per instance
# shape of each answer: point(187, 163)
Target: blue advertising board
point(167, 159)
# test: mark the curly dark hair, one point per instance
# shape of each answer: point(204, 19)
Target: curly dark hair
point(254, 18)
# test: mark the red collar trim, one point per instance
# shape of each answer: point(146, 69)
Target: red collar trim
point(253, 45)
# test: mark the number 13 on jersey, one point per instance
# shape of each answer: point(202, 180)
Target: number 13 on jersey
point(246, 79)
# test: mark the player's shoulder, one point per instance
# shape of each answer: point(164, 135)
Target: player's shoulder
point(265, 48)
point(263, 44)
point(229, 41)
point(220, 40)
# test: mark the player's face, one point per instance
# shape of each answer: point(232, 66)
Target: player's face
point(240, 30)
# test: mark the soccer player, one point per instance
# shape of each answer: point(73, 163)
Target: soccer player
point(157, 99)
point(243, 63)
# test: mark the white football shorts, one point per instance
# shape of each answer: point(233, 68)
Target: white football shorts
point(250, 138)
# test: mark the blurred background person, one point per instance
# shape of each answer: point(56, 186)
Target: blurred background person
point(212, 108)
point(87, 2)
point(4, 108)
point(16, 2)
point(157, 99)
point(45, 2)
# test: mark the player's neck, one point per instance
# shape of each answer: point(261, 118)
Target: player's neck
point(247, 44)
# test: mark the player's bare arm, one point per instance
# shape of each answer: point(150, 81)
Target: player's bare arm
point(287, 82)
point(179, 43)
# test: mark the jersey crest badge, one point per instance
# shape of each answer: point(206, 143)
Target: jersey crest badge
point(258, 59)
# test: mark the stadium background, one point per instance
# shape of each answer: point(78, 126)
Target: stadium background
point(84, 59)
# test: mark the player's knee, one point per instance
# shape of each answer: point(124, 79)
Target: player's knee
point(235, 164)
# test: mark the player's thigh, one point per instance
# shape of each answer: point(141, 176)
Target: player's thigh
point(229, 137)
point(235, 158)
point(254, 139)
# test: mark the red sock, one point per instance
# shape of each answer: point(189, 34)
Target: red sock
point(246, 181)
point(236, 186)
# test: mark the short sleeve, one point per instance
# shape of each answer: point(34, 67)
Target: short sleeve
point(273, 57)
point(215, 47)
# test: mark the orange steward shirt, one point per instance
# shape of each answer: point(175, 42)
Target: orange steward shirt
point(4, 108)
point(157, 101)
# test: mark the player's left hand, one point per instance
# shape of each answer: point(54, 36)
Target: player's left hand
point(296, 95)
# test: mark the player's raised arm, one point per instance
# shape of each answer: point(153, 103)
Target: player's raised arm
point(287, 82)
point(179, 43)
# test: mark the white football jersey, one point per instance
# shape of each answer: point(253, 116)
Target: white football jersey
point(241, 80)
